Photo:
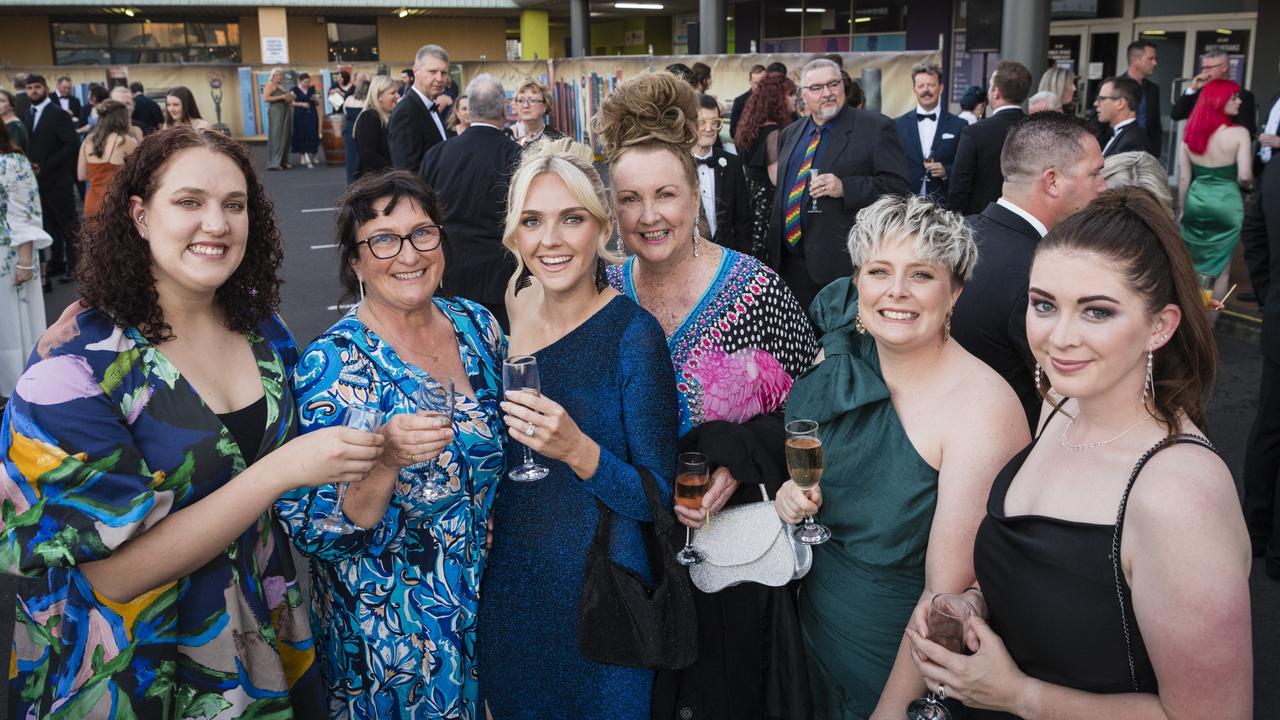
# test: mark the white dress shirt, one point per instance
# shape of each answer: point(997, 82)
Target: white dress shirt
point(1115, 132)
point(707, 188)
point(431, 106)
point(1002, 108)
point(968, 116)
point(1272, 126)
point(39, 110)
point(1035, 222)
point(927, 129)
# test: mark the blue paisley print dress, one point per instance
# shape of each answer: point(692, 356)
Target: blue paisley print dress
point(103, 439)
point(395, 604)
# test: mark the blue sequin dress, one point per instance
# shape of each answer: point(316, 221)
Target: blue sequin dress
point(613, 376)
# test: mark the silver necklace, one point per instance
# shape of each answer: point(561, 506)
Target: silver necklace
point(1085, 446)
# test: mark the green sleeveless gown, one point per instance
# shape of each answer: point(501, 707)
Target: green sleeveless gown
point(1212, 217)
point(878, 499)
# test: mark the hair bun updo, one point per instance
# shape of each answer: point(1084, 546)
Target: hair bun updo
point(651, 108)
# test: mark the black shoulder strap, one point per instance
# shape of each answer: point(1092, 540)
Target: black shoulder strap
point(1122, 589)
point(1057, 407)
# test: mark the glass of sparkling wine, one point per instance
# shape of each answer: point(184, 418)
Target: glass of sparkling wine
point(813, 201)
point(361, 417)
point(804, 463)
point(946, 617)
point(433, 399)
point(520, 372)
point(692, 478)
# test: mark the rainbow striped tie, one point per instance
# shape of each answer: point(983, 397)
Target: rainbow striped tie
point(791, 218)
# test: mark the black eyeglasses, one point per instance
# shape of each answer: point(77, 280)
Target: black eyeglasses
point(819, 87)
point(1108, 97)
point(385, 246)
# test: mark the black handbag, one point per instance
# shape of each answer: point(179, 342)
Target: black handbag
point(622, 619)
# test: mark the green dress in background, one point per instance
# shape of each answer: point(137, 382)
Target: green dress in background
point(878, 499)
point(1212, 217)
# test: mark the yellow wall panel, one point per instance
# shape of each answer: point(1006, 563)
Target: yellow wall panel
point(463, 38)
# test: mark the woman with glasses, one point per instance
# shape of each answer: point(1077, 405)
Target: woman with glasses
point(721, 182)
point(394, 601)
point(533, 107)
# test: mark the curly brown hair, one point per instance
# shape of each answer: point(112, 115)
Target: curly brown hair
point(651, 110)
point(114, 267)
point(770, 103)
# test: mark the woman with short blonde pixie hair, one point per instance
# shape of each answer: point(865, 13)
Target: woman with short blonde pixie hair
point(895, 398)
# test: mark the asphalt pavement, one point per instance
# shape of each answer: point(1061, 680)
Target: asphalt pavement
point(304, 200)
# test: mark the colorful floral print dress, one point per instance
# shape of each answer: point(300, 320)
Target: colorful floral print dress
point(102, 439)
point(395, 604)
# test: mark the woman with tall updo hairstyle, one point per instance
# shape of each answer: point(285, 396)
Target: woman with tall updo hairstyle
point(1113, 562)
point(605, 415)
point(148, 438)
point(736, 337)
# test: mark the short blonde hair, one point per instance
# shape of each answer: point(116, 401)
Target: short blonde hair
point(378, 85)
point(937, 235)
point(1048, 98)
point(1055, 80)
point(1139, 169)
point(572, 163)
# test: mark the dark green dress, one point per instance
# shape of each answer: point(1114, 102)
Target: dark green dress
point(1212, 217)
point(878, 499)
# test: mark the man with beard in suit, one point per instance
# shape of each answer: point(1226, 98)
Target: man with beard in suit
point(855, 155)
point(1117, 101)
point(1052, 167)
point(929, 135)
point(416, 124)
point(1142, 65)
point(470, 174)
point(722, 183)
point(976, 178)
point(1215, 65)
point(52, 151)
point(740, 103)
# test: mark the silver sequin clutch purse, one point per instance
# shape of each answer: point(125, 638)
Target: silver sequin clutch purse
point(748, 543)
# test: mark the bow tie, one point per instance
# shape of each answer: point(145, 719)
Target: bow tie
point(930, 116)
point(709, 161)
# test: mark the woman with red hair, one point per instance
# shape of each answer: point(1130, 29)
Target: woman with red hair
point(767, 111)
point(1214, 165)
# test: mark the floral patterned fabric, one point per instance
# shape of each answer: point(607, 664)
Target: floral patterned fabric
point(395, 605)
point(21, 306)
point(103, 439)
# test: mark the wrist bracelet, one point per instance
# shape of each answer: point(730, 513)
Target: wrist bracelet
point(25, 267)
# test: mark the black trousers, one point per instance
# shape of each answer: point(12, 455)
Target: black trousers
point(1253, 233)
point(1262, 468)
point(62, 222)
point(795, 273)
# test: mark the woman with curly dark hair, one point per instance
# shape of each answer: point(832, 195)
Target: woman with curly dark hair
point(767, 111)
point(147, 439)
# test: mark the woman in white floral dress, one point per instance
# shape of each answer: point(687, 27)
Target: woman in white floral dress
point(21, 235)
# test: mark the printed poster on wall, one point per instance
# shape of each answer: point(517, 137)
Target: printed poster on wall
point(275, 50)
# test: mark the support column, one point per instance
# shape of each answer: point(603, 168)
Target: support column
point(579, 30)
point(711, 26)
point(1024, 34)
point(273, 34)
point(535, 36)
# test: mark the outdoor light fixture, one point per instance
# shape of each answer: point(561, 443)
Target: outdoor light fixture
point(797, 10)
point(403, 13)
point(128, 12)
point(862, 19)
point(638, 6)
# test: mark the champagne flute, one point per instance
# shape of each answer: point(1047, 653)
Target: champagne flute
point(947, 612)
point(521, 373)
point(813, 201)
point(804, 464)
point(692, 478)
point(433, 399)
point(361, 417)
point(1206, 289)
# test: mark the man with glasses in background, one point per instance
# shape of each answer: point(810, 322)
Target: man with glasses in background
point(832, 164)
point(1214, 65)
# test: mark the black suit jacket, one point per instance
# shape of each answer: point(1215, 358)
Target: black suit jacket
point(73, 104)
point(412, 132)
point(977, 180)
point(470, 173)
point(990, 319)
point(373, 150)
point(1247, 116)
point(1130, 138)
point(946, 140)
point(733, 210)
point(1150, 120)
point(147, 113)
point(862, 148)
point(53, 146)
point(735, 113)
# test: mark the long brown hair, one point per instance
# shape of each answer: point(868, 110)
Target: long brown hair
point(1133, 232)
point(113, 119)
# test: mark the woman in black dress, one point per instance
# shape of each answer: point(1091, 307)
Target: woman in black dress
point(766, 112)
point(1113, 558)
point(306, 121)
point(372, 146)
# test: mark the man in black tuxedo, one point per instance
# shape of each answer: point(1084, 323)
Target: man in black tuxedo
point(146, 112)
point(52, 149)
point(740, 102)
point(976, 178)
point(1117, 99)
point(1052, 166)
point(415, 124)
point(858, 157)
point(723, 184)
point(1142, 65)
point(930, 135)
point(470, 174)
point(63, 98)
point(1214, 65)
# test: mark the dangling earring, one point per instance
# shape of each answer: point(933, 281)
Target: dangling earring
point(857, 324)
point(602, 275)
point(946, 327)
point(360, 282)
point(1149, 387)
point(1038, 374)
point(697, 238)
point(523, 280)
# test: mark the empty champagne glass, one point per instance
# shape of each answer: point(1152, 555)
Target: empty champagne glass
point(692, 478)
point(947, 612)
point(813, 201)
point(433, 399)
point(361, 417)
point(804, 464)
point(521, 373)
